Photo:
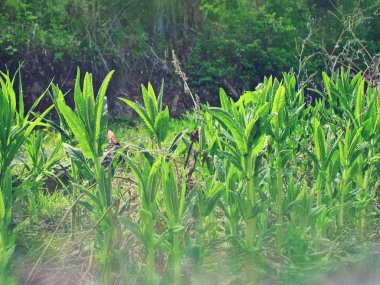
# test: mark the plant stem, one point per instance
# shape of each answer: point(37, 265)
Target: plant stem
point(320, 186)
point(176, 259)
point(341, 201)
point(279, 198)
point(251, 200)
point(251, 221)
point(150, 249)
point(75, 195)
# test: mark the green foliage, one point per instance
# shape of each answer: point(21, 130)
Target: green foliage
point(240, 46)
point(88, 123)
point(16, 127)
point(233, 43)
point(153, 115)
point(27, 26)
point(264, 178)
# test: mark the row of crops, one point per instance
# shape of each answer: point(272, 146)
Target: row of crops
point(264, 184)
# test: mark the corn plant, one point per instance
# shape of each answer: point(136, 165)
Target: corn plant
point(7, 237)
point(350, 99)
point(154, 117)
point(149, 180)
point(208, 196)
point(349, 152)
point(178, 208)
point(15, 127)
point(244, 142)
point(39, 164)
point(322, 158)
point(36, 168)
point(230, 199)
point(276, 179)
point(88, 123)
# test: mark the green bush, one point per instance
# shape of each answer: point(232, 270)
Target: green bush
point(240, 46)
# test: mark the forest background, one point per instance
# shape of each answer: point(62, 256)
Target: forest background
point(221, 43)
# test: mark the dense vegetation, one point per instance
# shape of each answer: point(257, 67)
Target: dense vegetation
point(232, 170)
point(228, 43)
point(265, 189)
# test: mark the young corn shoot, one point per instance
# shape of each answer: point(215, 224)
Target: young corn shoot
point(148, 179)
point(177, 207)
point(154, 117)
point(15, 126)
point(245, 142)
point(88, 123)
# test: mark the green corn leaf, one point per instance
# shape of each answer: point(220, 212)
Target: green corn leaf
point(357, 79)
point(136, 171)
point(327, 84)
point(36, 103)
point(342, 155)
point(189, 201)
point(7, 192)
point(319, 141)
point(105, 186)
point(143, 115)
point(170, 193)
point(230, 124)
point(102, 139)
point(153, 183)
point(355, 141)
point(182, 199)
point(55, 156)
point(20, 95)
point(162, 240)
point(37, 121)
point(263, 111)
point(133, 227)
point(88, 95)
point(150, 102)
point(87, 205)
point(213, 193)
point(80, 104)
point(78, 158)
point(358, 151)
point(332, 151)
point(77, 88)
point(317, 210)
point(233, 157)
point(161, 124)
point(9, 92)
point(347, 138)
point(251, 131)
point(152, 96)
point(77, 127)
point(258, 144)
point(277, 109)
point(146, 215)
point(360, 99)
point(173, 146)
point(90, 195)
point(309, 153)
point(99, 106)
point(2, 205)
point(17, 138)
point(160, 96)
point(224, 100)
point(8, 252)
point(346, 106)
